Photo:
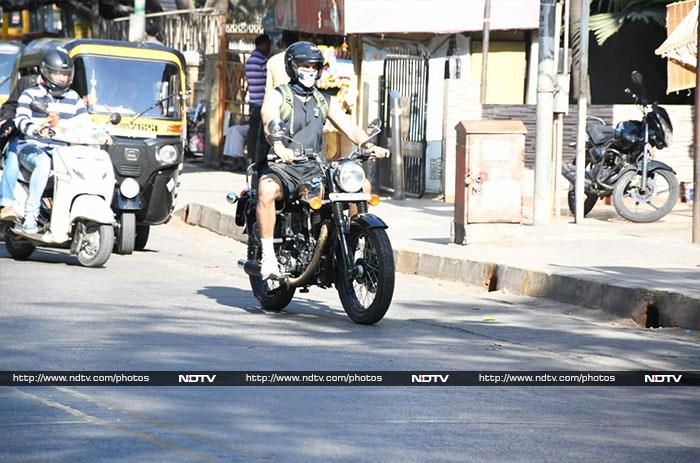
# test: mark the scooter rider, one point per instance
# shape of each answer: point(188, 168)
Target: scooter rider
point(34, 146)
point(305, 111)
point(8, 132)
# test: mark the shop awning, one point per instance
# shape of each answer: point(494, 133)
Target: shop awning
point(342, 17)
point(681, 46)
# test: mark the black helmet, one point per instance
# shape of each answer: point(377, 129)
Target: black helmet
point(56, 61)
point(302, 53)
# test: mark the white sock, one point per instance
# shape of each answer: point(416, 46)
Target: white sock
point(268, 247)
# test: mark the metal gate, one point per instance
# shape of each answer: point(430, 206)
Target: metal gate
point(407, 75)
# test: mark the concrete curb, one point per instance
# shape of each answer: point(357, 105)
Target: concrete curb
point(648, 307)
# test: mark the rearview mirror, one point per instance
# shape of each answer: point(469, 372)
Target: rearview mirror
point(375, 124)
point(636, 77)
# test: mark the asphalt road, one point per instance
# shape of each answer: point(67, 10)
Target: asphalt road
point(184, 305)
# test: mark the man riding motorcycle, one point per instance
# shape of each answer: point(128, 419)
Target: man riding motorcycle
point(34, 147)
point(303, 110)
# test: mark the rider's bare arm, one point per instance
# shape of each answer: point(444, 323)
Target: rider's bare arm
point(343, 123)
point(271, 111)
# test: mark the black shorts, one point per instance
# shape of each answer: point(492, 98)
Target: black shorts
point(292, 176)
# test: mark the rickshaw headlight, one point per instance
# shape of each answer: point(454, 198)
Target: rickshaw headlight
point(129, 188)
point(166, 154)
point(350, 177)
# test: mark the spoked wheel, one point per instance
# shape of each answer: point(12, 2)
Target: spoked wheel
point(272, 294)
point(367, 296)
point(96, 243)
point(649, 204)
point(19, 249)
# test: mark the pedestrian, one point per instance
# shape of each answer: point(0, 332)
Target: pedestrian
point(276, 70)
point(256, 73)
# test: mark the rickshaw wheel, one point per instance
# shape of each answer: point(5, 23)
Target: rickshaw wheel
point(126, 236)
point(142, 232)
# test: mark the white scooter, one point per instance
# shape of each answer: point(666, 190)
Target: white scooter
point(75, 213)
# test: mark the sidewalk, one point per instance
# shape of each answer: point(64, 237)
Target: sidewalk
point(648, 272)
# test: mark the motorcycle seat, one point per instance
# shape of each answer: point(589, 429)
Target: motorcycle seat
point(599, 133)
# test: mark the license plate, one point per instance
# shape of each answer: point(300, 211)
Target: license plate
point(349, 197)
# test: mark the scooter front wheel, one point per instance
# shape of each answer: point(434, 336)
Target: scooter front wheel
point(96, 243)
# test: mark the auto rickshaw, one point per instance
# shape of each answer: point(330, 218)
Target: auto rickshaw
point(143, 87)
point(9, 54)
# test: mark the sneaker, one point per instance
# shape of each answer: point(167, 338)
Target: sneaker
point(30, 225)
point(270, 268)
point(7, 214)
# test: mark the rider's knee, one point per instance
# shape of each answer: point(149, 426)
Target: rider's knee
point(268, 190)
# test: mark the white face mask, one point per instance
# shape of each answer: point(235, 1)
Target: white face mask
point(307, 78)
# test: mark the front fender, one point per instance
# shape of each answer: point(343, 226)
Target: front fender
point(368, 221)
point(652, 165)
point(91, 208)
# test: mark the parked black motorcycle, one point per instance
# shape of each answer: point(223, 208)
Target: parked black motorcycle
point(318, 243)
point(619, 164)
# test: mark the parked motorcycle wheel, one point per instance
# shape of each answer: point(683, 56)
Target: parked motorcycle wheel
point(96, 245)
point(18, 248)
point(644, 206)
point(126, 237)
point(272, 294)
point(142, 232)
point(588, 203)
point(367, 297)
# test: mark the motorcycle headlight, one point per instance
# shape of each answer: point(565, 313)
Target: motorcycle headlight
point(129, 188)
point(350, 177)
point(166, 154)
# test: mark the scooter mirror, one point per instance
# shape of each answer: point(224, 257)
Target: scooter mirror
point(375, 124)
point(636, 77)
point(115, 118)
point(39, 107)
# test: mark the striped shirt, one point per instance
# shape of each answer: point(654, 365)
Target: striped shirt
point(27, 120)
point(256, 74)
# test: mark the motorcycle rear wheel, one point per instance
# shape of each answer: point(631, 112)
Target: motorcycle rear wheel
point(272, 295)
point(588, 203)
point(628, 197)
point(371, 251)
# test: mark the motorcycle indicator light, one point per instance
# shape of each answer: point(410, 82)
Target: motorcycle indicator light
point(315, 203)
point(373, 200)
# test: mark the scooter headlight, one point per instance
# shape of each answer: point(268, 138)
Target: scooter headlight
point(350, 177)
point(129, 188)
point(166, 154)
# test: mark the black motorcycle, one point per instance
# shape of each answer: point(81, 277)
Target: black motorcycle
point(318, 243)
point(619, 164)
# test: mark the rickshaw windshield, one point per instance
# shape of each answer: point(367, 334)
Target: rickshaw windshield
point(7, 63)
point(129, 86)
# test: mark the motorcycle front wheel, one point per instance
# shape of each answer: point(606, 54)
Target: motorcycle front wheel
point(272, 294)
point(367, 296)
point(650, 204)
